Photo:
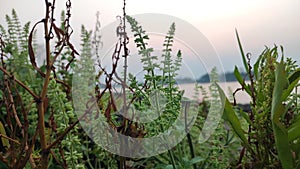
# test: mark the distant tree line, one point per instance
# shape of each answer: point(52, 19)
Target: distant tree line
point(229, 77)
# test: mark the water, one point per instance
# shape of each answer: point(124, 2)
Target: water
point(228, 87)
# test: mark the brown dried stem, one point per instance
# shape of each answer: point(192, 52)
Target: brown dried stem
point(19, 82)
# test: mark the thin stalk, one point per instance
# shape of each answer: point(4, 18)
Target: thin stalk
point(13, 107)
point(41, 110)
point(88, 159)
point(10, 139)
point(19, 83)
point(161, 127)
point(189, 138)
point(149, 62)
point(124, 36)
point(296, 95)
point(171, 154)
point(172, 159)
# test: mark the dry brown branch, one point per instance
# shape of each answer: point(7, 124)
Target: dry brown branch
point(19, 82)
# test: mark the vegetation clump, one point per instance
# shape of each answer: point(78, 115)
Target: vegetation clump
point(39, 126)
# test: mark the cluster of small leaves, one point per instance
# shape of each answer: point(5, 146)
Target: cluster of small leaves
point(61, 116)
point(16, 39)
point(219, 151)
point(170, 70)
point(148, 60)
point(265, 80)
point(160, 93)
point(96, 156)
point(170, 67)
point(86, 62)
point(84, 68)
point(164, 85)
point(16, 34)
point(15, 59)
point(264, 94)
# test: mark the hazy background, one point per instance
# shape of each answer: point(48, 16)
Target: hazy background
point(259, 22)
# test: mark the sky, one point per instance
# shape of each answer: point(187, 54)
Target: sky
point(260, 23)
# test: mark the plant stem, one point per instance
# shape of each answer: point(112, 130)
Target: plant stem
point(19, 82)
point(41, 110)
point(189, 138)
point(172, 159)
point(124, 36)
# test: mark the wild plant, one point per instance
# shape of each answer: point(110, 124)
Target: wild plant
point(36, 112)
point(270, 141)
point(221, 147)
point(38, 127)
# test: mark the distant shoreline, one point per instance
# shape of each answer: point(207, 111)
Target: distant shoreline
point(228, 87)
point(229, 77)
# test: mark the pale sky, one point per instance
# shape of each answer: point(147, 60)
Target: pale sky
point(259, 22)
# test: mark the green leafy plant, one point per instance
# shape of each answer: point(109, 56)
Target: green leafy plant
point(268, 142)
point(36, 112)
point(38, 126)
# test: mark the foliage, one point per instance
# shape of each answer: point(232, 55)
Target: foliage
point(37, 113)
point(160, 88)
point(268, 143)
point(39, 129)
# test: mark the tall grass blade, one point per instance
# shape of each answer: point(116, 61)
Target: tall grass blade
point(242, 52)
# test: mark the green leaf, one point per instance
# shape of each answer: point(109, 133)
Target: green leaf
point(196, 160)
point(293, 81)
point(278, 109)
point(240, 79)
point(146, 37)
point(169, 167)
point(230, 116)
point(293, 131)
point(294, 76)
point(296, 148)
point(245, 116)
point(242, 52)
point(256, 66)
point(2, 132)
